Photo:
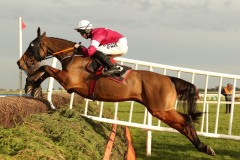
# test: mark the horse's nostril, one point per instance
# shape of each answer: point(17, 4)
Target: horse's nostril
point(19, 66)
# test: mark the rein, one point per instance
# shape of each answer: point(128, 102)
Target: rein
point(49, 53)
point(62, 51)
point(65, 50)
point(58, 52)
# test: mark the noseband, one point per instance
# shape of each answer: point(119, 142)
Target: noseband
point(26, 62)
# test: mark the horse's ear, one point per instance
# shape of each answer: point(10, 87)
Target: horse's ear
point(44, 34)
point(38, 31)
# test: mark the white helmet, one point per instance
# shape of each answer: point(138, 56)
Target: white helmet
point(83, 25)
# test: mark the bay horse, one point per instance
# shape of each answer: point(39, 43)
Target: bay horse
point(158, 93)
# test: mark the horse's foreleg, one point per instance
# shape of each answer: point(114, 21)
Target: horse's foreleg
point(34, 81)
point(31, 87)
point(184, 124)
point(43, 73)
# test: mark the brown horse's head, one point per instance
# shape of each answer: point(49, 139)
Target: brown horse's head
point(30, 61)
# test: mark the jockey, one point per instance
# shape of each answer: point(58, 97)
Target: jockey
point(104, 43)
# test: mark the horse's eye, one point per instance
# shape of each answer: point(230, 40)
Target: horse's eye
point(32, 45)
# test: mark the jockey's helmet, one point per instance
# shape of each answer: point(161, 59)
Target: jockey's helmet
point(84, 26)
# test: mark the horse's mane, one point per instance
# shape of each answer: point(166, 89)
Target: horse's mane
point(61, 39)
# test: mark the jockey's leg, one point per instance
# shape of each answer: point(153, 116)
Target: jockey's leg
point(104, 59)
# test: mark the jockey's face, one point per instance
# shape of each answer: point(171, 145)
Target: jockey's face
point(84, 35)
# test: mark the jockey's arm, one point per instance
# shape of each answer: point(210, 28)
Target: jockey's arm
point(91, 49)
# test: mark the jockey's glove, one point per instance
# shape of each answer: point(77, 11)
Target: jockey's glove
point(77, 46)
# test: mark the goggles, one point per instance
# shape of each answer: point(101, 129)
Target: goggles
point(81, 31)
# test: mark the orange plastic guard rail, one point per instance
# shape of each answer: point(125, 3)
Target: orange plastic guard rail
point(110, 143)
point(130, 152)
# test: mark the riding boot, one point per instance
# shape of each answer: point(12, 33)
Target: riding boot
point(104, 59)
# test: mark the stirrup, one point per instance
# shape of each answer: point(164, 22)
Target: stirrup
point(115, 70)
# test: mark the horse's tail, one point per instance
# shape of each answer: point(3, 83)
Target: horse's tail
point(187, 92)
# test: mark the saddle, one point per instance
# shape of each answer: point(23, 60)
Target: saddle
point(94, 66)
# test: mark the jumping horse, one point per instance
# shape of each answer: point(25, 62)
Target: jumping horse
point(158, 93)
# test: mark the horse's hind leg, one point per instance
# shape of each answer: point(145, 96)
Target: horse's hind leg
point(184, 124)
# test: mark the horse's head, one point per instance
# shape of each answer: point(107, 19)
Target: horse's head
point(43, 47)
point(36, 52)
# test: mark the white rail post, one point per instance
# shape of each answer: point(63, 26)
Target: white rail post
point(145, 116)
point(149, 132)
point(204, 102)
point(232, 107)
point(218, 105)
point(20, 52)
point(207, 110)
point(193, 78)
point(149, 136)
point(116, 110)
point(71, 101)
point(50, 84)
point(101, 110)
point(86, 107)
point(131, 111)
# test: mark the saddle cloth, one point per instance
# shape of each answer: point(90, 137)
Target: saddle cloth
point(94, 66)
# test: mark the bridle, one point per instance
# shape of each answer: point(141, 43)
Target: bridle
point(34, 53)
point(26, 62)
point(47, 51)
point(39, 46)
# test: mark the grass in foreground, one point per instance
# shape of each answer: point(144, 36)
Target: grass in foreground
point(64, 134)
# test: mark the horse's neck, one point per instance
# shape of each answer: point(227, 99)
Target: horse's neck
point(77, 61)
point(57, 44)
point(66, 58)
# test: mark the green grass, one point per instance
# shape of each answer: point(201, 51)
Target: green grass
point(166, 145)
point(61, 135)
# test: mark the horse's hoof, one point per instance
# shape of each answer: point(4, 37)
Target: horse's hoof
point(37, 92)
point(52, 106)
point(28, 90)
point(210, 151)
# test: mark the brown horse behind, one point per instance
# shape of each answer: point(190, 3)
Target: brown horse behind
point(158, 93)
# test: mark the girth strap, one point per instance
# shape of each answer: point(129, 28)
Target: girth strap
point(91, 89)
